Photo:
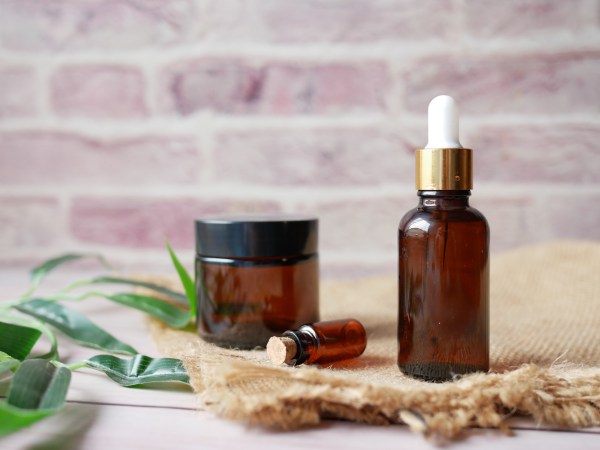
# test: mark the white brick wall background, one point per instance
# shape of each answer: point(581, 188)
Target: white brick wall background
point(122, 121)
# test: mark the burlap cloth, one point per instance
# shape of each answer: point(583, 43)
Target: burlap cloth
point(545, 357)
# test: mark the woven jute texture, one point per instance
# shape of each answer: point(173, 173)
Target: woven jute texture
point(545, 357)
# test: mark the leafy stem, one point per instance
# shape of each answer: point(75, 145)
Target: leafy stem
point(78, 297)
point(76, 365)
point(39, 273)
point(39, 384)
point(75, 285)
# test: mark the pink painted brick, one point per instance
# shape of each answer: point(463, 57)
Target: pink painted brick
point(98, 91)
point(531, 18)
point(29, 222)
point(511, 218)
point(18, 92)
point(316, 157)
point(356, 226)
point(234, 86)
point(570, 216)
point(327, 21)
point(104, 24)
point(147, 223)
point(53, 158)
point(534, 153)
point(561, 83)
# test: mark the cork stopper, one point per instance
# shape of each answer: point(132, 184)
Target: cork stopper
point(281, 350)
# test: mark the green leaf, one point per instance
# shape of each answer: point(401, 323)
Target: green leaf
point(7, 362)
point(17, 340)
point(75, 325)
point(38, 384)
point(140, 369)
point(38, 325)
point(173, 295)
point(168, 313)
point(13, 419)
point(39, 272)
point(37, 390)
point(186, 281)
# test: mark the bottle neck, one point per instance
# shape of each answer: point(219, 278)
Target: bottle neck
point(307, 343)
point(444, 199)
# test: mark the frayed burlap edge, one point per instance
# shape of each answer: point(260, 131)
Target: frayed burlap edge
point(544, 309)
point(561, 396)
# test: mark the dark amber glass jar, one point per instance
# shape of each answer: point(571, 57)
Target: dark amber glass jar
point(256, 276)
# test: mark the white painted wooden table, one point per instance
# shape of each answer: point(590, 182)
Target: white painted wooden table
point(103, 415)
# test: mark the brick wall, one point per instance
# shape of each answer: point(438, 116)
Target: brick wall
point(121, 121)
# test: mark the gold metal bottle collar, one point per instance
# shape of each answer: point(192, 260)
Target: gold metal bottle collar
point(444, 169)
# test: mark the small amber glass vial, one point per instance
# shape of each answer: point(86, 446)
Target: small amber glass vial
point(256, 276)
point(318, 343)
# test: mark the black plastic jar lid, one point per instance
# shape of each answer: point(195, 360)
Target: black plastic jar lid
point(256, 236)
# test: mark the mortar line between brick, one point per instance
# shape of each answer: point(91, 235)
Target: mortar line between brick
point(313, 52)
point(173, 126)
point(293, 192)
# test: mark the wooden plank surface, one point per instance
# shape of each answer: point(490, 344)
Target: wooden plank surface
point(100, 414)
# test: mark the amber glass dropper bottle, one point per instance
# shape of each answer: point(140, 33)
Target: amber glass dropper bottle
point(443, 273)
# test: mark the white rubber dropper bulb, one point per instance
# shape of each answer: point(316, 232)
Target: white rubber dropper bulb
point(442, 129)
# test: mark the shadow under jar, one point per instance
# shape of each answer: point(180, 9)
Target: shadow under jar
point(256, 276)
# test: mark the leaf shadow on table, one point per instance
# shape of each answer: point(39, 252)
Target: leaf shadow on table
point(65, 430)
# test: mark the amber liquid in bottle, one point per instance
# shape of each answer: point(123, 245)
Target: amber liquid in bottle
point(243, 302)
point(327, 341)
point(443, 323)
